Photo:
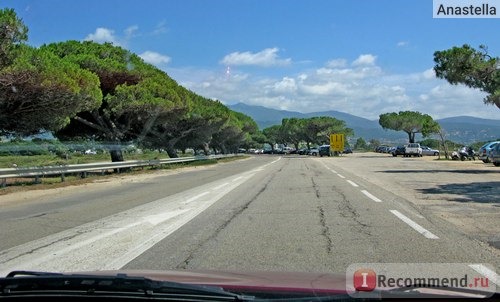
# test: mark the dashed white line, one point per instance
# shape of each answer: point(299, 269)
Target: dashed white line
point(196, 197)
point(340, 175)
point(352, 183)
point(483, 270)
point(414, 225)
point(369, 195)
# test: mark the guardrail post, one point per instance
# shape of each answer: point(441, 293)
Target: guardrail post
point(83, 174)
point(37, 179)
point(63, 178)
point(4, 183)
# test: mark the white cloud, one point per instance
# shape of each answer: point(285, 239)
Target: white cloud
point(403, 43)
point(366, 59)
point(285, 85)
point(131, 30)
point(365, 90)
point(429, 74)
point(266, 58)
point(154, 58)
point(335, 63)
point(102, 35)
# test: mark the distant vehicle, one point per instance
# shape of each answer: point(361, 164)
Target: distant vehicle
point(302, 151)
point(347, 150)
point(485, 150)
point(241, 150)
point(324, 150)
point(399, 150)
point(382, 149)
point(413, 149)
point(467, 153)
point(90, 152)
point(288, 150)
point(313, 152)
point(428, 151)
point(495, 155)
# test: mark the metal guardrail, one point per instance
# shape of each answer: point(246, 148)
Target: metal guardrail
point(36, 172)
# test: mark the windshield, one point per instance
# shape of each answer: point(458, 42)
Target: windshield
point(318, 137)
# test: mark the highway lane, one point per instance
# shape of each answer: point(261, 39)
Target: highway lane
point(29, 218)
point(306, 214)
point(266, 213)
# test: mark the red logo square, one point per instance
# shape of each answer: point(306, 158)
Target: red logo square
point(365, 280)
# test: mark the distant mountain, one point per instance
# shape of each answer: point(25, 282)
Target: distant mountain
point(461, 129)
point(469, 129)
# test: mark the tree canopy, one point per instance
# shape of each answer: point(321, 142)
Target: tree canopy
point(411, 122)
point(471, 67)
point(314, 130)
point(106, 93)
point(13, 33)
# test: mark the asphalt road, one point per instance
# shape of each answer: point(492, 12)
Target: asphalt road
point(270, 213)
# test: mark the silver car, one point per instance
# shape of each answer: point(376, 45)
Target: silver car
point(428, 151)
point(495, 155)
point(485, 150)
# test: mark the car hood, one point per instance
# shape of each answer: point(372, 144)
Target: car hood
point(324, 283)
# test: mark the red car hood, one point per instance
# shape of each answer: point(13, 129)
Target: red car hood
point(252, 281)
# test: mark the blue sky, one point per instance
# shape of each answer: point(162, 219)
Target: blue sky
point(359, 57)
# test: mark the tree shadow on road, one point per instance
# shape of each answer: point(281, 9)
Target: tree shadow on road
point(481, 192)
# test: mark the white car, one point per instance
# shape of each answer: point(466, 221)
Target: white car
point(413, 149)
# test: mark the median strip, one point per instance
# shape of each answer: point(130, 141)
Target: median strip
point(414, 225)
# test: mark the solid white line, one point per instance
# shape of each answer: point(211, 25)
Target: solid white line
point(237, 178)
point(369, 195)
point(333, 171)
point(352, 183)
point(340, 175)
point(414, 225)
point(483, 270)
point(196, 197)
point(113, 241)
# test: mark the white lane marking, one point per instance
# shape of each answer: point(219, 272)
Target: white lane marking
point(329, 169)
point(196, 197)
point(483, 270)
point(414, 225)
point(159, 218)
point(237, 178)
point(352, 183)
point(340, 175)
point(113, 241)
point(369, 195)
point(220, 186)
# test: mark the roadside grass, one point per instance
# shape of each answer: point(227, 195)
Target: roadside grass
point(9, 161)
point(48, 182)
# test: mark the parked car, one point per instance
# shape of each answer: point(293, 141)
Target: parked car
point(429, 151)
point(495, 155)
point(413, 149)
point(347, 150)
point(485, 150)
point(302, 151)
point(313, 152)
point(399, 150)
point(324, 150)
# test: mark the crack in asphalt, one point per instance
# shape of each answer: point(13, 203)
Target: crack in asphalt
point(185, 263)
point(347, 211)
point(325, 230)
point(37, 248)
